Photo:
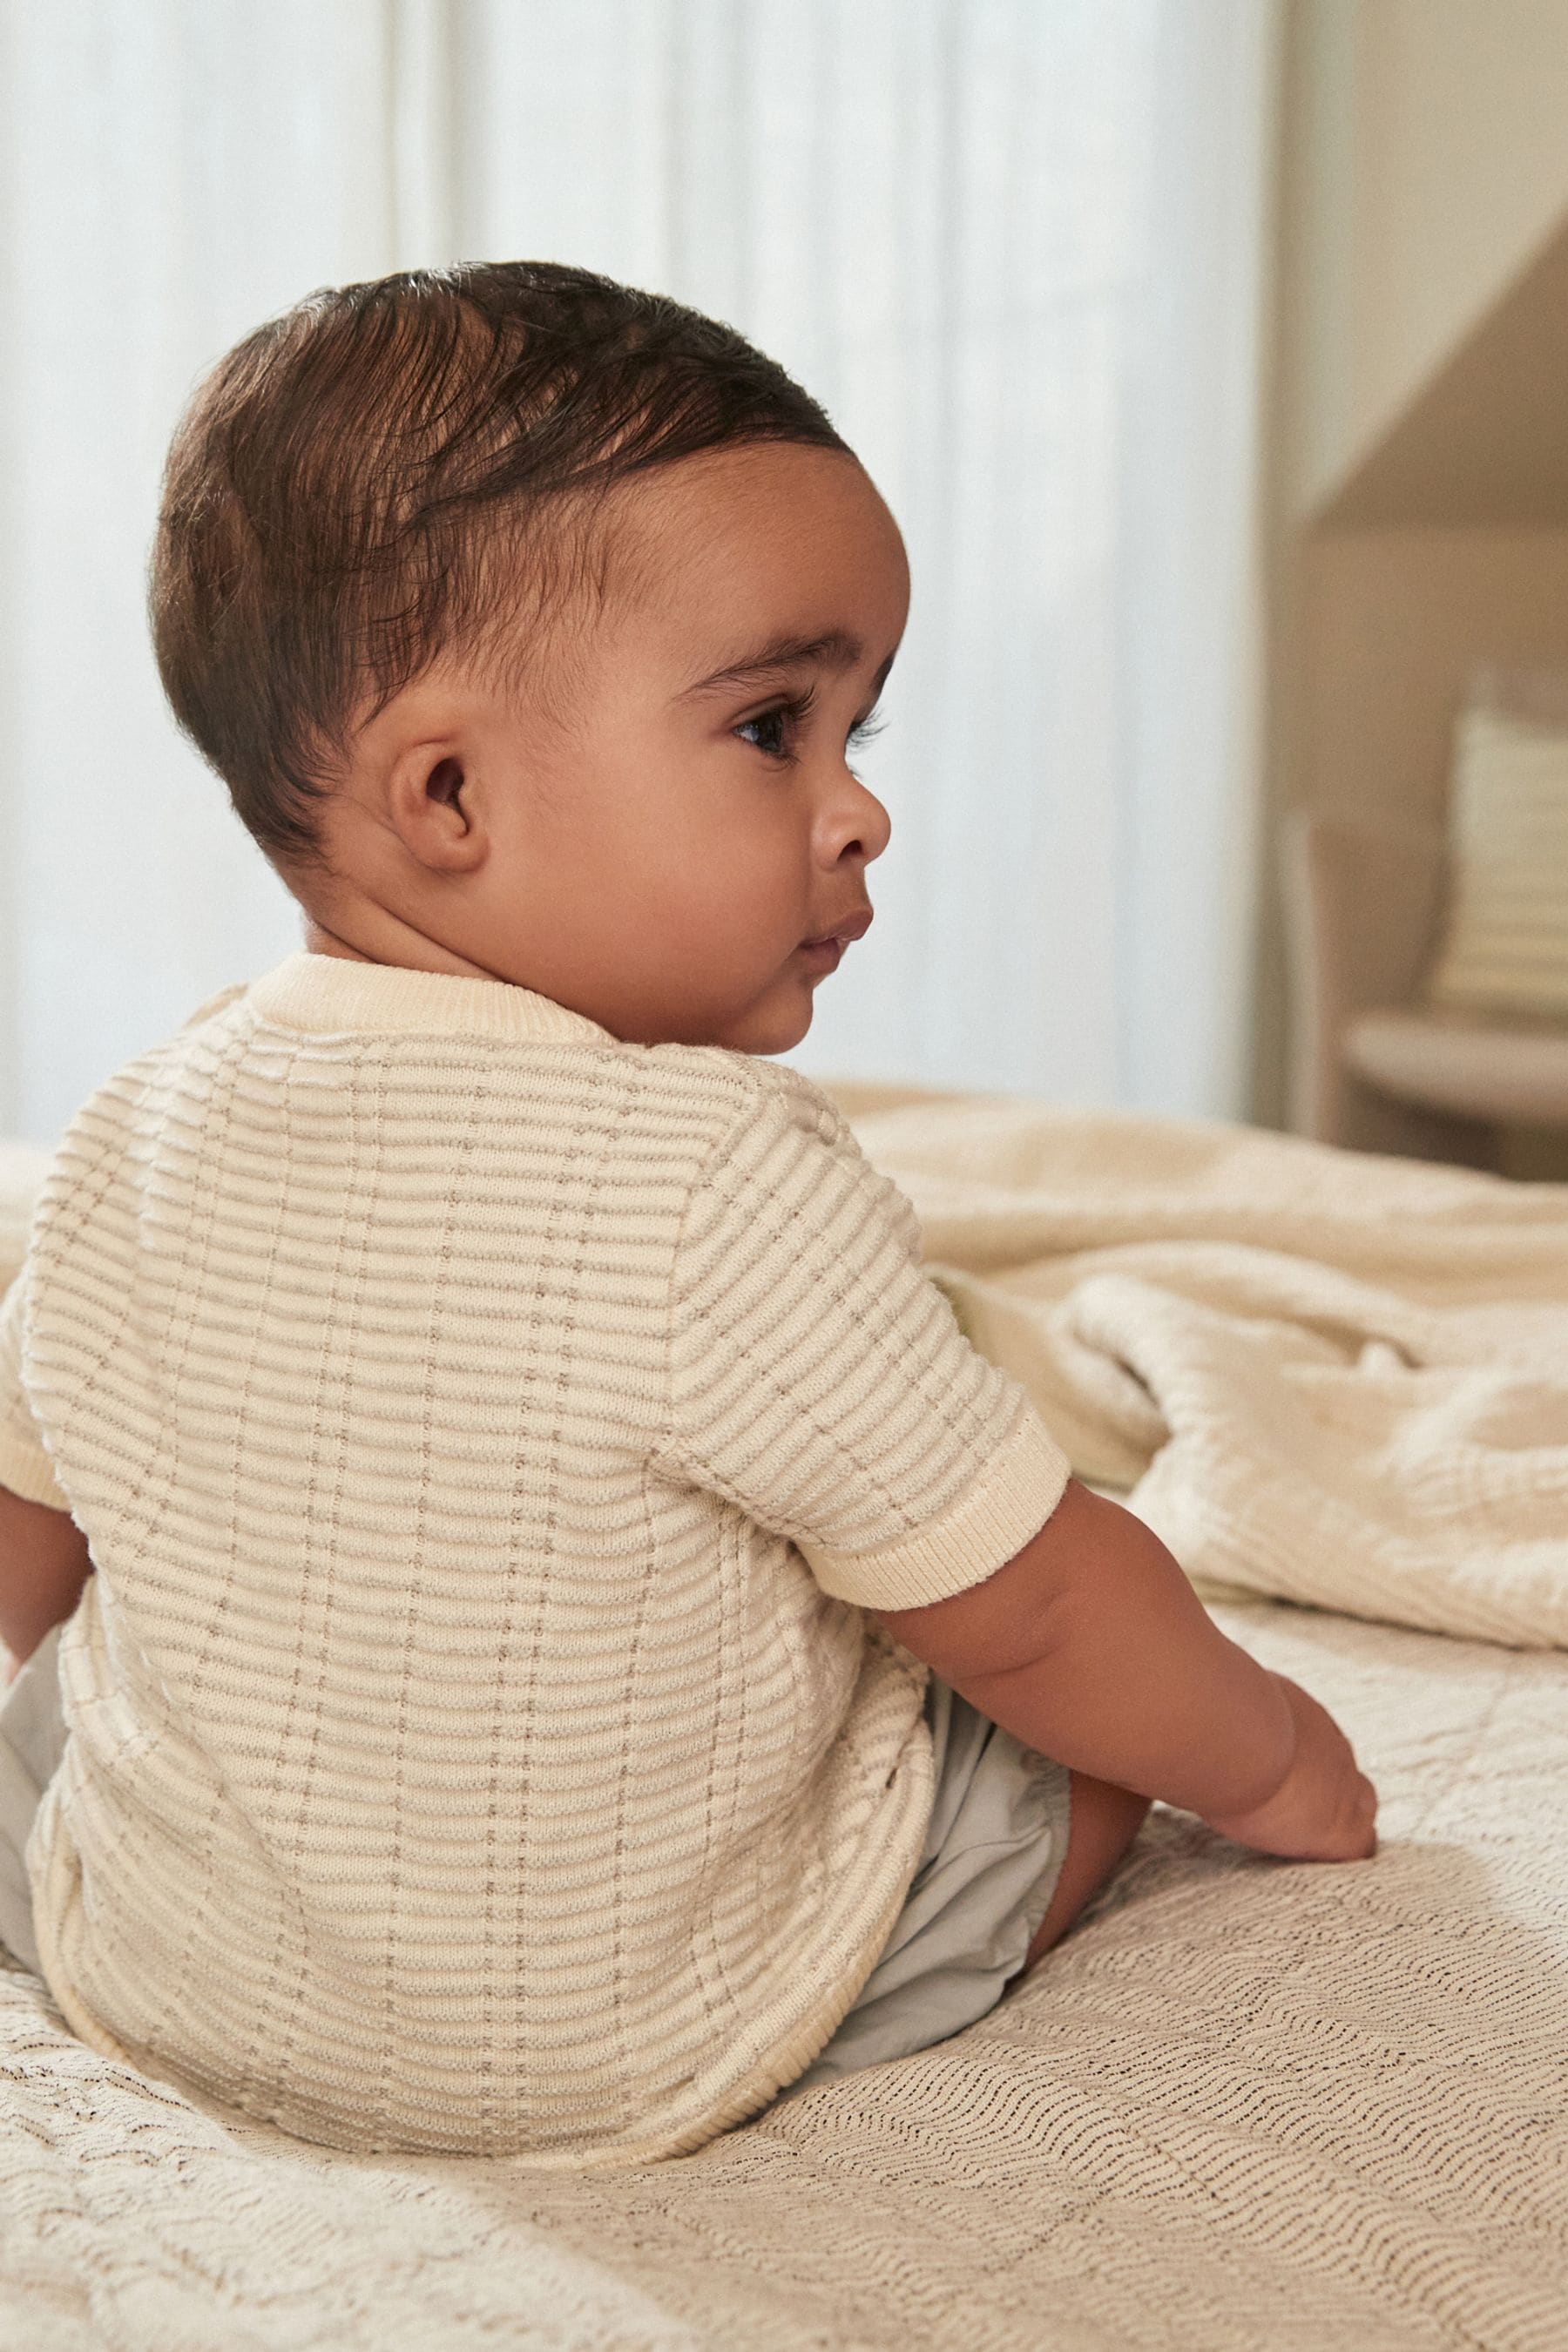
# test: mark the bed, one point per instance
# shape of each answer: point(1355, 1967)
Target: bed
point(1245, 2103)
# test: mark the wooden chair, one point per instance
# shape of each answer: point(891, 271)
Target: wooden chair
point(1372, 1066)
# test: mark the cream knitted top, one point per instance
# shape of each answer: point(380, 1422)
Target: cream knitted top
point(484, 1430)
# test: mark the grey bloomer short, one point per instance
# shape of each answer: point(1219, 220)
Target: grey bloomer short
point(992, 1853)
point(32, 1741)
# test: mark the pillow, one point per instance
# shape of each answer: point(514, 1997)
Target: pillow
point(1505, 947)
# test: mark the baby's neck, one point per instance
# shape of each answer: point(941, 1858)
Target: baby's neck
point(320, 941)
point(402, 945)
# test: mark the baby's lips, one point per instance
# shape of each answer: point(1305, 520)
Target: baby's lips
point(853, 926)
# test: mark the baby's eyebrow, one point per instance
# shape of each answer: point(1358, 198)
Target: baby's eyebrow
point(835, 649)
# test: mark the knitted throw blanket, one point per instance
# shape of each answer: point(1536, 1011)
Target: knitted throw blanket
point(1328, 1377)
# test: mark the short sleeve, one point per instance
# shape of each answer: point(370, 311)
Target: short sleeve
point(819, 1378)
point(25, 1465)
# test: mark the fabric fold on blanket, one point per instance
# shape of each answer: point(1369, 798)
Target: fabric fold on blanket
point(1326, 1377)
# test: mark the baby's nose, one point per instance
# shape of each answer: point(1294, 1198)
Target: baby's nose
point(869, 826)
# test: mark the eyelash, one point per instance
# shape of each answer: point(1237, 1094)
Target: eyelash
point(794, 713)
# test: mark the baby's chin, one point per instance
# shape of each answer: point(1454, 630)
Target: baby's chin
point(776, 1022)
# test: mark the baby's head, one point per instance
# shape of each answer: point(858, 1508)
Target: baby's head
point(531, 621)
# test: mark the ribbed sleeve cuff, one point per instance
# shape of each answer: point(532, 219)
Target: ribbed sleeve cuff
point(29, 1473)
point(1020, 1488)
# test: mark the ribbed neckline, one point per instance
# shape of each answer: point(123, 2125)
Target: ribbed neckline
point(322, 992)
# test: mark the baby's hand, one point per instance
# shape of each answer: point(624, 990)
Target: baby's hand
point(1324, 1809)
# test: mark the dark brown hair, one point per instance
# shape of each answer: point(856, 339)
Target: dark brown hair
point(348, 493)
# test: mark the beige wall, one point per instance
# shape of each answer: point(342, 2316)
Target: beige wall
point(1425, 160)
point(1423, 168)
point(1392, 623)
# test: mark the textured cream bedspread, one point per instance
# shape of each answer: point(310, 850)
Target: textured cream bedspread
point(1247, 2106)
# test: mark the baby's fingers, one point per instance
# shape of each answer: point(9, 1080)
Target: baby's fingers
point(1365, 1821)
point(1354, 1836)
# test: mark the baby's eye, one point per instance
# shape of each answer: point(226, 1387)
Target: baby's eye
point(769, 732)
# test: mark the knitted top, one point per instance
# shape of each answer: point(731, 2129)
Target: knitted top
point(484, 1430)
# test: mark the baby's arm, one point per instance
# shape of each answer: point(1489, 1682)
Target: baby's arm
point(1091, 1646)
point(44, 1564)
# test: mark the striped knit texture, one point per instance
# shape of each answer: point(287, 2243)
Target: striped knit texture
point(464, 1753)
point(1506, 943)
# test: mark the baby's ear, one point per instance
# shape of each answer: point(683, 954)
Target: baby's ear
point(433, 808)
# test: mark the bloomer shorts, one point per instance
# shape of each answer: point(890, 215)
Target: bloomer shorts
point(992, 1852)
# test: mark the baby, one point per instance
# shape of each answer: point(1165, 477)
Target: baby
point(563, 1640)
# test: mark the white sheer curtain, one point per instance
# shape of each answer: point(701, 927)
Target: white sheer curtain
point(1014, 246)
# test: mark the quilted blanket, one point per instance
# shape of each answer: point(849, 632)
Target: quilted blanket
point(1245, 2103)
